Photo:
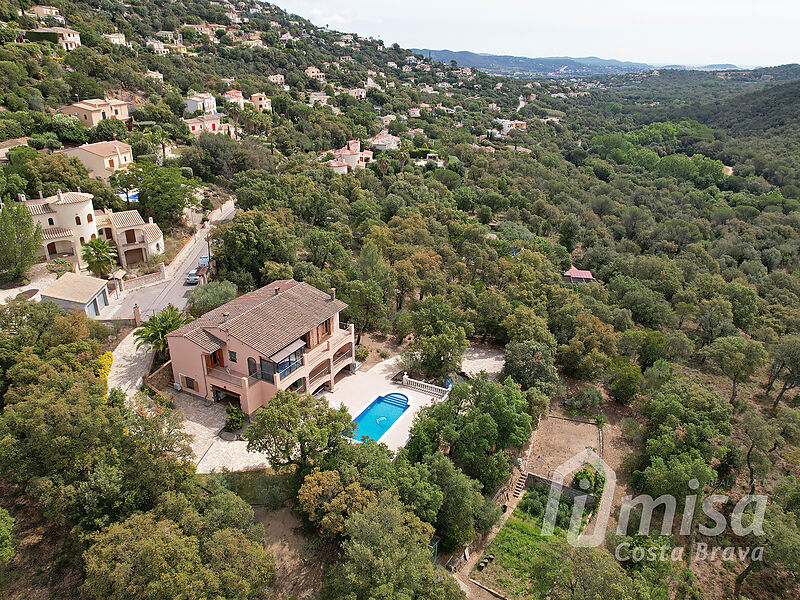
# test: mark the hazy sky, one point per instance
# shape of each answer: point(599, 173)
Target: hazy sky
point(743, 32)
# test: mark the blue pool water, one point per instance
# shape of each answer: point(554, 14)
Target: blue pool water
point(380, 415)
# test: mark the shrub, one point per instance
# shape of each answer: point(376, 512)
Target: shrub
point(631, 431)
point(383, 354)
point(105, 360)
point(362, 353)
point(236, 418)
point(596, 480)
point(59, 266)
point(587, 400)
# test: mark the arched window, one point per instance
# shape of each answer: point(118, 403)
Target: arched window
point(89, 218)
point(251, 367)
point(77, 220)
point(93, 236)
point(82, 240)
point(50, 222)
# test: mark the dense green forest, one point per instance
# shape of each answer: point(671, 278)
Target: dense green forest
point(679, 190)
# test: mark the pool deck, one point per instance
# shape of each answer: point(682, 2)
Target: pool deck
point(357, 392)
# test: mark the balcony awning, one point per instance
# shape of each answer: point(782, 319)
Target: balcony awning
point(280, 355)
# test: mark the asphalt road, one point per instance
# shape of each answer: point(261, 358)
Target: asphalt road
point(173, 291)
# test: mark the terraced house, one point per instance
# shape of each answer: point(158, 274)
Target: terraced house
point(285, 335)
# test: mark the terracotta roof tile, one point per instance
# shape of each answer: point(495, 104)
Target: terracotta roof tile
point(126, 218)
point(264, 320)
point(54, 233)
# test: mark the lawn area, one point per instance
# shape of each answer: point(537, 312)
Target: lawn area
point(514, 572)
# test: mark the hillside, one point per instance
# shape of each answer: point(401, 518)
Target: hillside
point(540, 267)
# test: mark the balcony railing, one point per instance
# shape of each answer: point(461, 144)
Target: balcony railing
point(319, 375)
point(340, 356)
point(223, 375)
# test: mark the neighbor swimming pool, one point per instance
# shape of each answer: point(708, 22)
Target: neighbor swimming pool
point(380, 415)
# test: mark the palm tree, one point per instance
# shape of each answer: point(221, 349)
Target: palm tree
point(153, 332)
point(99, 256)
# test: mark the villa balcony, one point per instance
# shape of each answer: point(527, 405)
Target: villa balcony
point(228, 379)
point(320, 375)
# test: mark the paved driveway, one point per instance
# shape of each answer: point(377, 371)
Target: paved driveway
point(128, 366)
point(204, 421)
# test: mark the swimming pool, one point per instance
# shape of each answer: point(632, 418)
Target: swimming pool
point(380, 415)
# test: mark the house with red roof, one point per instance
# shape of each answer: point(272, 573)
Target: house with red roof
point(577, 276)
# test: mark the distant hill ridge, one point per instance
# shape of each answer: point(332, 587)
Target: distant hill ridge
point(523, 66)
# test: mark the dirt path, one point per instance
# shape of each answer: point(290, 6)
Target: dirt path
point(299, 569)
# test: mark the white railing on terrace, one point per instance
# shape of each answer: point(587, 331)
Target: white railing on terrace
point(423, 386)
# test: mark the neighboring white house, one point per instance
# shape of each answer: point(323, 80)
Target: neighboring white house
point(116, 38)
point(154, 75)
point(159, 48)
point(385, 141)
point(201, 101)
point(67, 220)
point(337, 166)
point(68, 39)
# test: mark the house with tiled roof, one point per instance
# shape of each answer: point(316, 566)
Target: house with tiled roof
point(136, 240)
point(67, 38)
point(43, 13)
point(284, 336)
point(90, 112)
point(67, 220)
point(209, 123)
point(576, 276)
point(352, 155)
point(102, 159)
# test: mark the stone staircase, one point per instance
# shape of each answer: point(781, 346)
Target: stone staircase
point(519, 487)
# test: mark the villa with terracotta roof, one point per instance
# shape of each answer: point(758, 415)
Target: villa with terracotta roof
point(208, 123)
point(576, 276)
point(135, 239)
point(234, 97)
point(69, 220)
point(103, 158)
point(352, 155)
point(91, 112)
point(283, 336)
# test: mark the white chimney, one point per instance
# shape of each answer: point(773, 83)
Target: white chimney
point(333, 293)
